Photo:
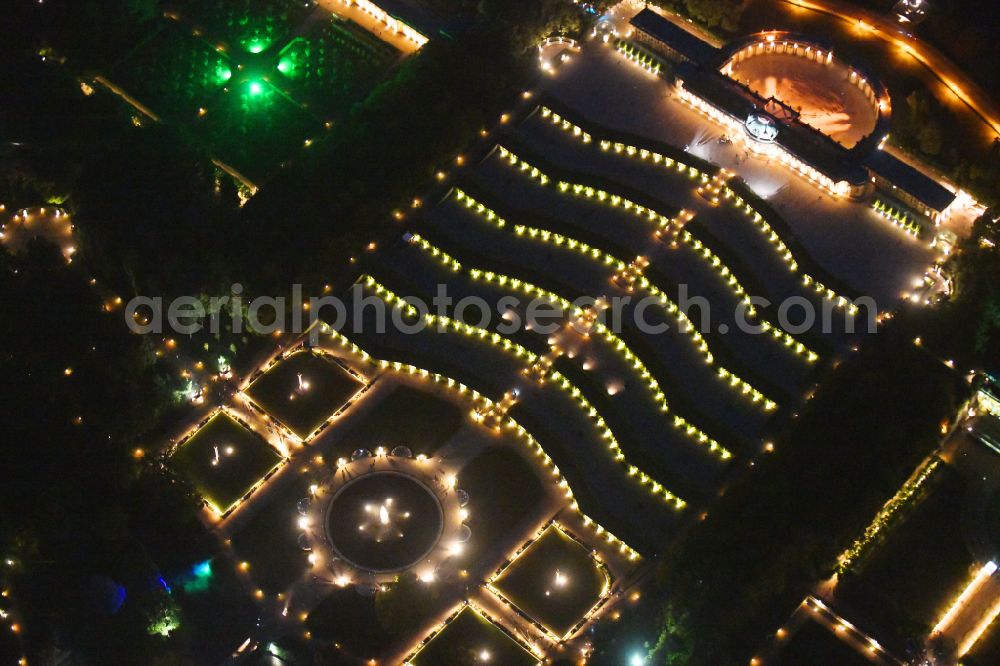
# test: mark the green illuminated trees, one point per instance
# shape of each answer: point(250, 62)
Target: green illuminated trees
point(174, 74)
point(253, 26)
point(164, 617)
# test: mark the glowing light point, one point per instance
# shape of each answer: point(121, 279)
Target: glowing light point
point(303, 384)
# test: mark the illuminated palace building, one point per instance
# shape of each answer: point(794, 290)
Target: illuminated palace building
point(403, 17)
point(790, 97)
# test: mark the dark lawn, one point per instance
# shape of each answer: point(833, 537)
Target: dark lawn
point(330, 386)
point(532, 582)
point(407, 417)
point(815, 645)
point(504, 489)
point(907, 582)
point(364, 626)
point(10, 647)
point(254, 127)
point(467, 640)
point(269, 542)
point(244, 459)
point(993, 519)
point(349, 619)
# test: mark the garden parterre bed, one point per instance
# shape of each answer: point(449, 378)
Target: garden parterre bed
point(408, 417)
point(224, 460)
point(556, 581)
point(467, 639)
point(328, 387)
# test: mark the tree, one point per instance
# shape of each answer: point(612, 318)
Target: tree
point(78, 391)
point(96, 32)
point(306, 231)
point(675, 646)
point(723, 14)
point(930, 137)
point(967, 326)
point(149, 216)
point(728, 580)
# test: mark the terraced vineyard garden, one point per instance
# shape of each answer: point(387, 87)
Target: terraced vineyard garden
point(450, 333)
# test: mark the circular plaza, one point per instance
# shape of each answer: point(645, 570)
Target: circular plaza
point(382, 514)
point(804, 80)
point(384, 521)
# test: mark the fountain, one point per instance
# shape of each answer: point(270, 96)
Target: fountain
point(386, 521)
point(383, 521)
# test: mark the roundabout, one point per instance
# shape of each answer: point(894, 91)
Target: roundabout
point(384, 514)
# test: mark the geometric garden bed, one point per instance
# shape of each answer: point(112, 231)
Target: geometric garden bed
point(225, 461)
point(303, 390)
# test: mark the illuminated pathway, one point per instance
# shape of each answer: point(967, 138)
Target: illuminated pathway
point(973, 610)
point(49, 222)
point(294, 603)
point(527, 360)
point(814, 610)
point(967, 91)
point(714, 198)
point(615, 554)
